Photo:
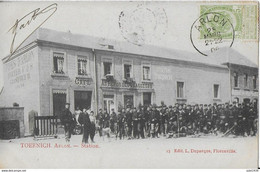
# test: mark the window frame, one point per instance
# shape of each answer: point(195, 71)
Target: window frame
point(235, 74)
point(254, 82)
point(107, 59)
point(64, 63)
point(218, 96)
point(184, 89)
point(146, 64)
point(127, 62)
point(87, 66)
point(245, 80)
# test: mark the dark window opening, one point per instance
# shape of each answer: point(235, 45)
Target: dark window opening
point(216, 91)
point(235, 80)
point(254, 81)
point(107, 68)
point(147, 99)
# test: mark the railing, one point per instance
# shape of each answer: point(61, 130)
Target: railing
point(45, 126)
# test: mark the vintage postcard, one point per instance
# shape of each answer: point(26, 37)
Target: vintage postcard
point(129, 84)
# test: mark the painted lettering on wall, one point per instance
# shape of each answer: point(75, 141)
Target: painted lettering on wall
point(19, 69)
point(83, 81)
point(127, 85)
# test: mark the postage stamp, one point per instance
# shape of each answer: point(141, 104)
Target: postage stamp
point(243, 18)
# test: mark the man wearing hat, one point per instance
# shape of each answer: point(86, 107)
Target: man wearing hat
point(113, 121)
point(121, 124)
point(154, 121)
point(67, 120)
point(129, 122)
point(163, 119)
point(135, 124)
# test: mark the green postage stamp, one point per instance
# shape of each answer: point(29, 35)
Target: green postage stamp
point(243, 18)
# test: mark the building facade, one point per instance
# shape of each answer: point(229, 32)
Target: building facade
point(53, 68)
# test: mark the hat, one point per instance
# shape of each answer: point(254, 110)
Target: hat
point(67, 103)
point(209, 104)
point(214, 103)
point(170, 106)
point(205, 105)
point(201, 104)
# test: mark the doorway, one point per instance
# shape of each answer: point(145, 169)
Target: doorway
point(82, 99)
point(109, 103)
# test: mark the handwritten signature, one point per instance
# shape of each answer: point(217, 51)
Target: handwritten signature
point(23, 23)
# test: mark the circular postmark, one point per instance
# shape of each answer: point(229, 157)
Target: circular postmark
point(142, 24)
point(209, 33)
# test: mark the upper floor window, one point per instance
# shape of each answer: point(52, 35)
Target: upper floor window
point(216, 90)
point(235, 79)
point(107, 68)
point(146, 73)
point(127, 71)
point(245, 80)
point(58, 63)
point(254, 81)
point(82, 65)
point(180, 89)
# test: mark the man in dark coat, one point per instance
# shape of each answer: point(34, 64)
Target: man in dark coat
point(121, 124)
point(85, 121)
point(67, 120)
point(129, 122)
point(135, 120)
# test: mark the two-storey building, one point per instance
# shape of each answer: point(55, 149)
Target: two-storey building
point(52, 68)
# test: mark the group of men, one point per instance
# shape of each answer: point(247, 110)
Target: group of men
point(180, 120)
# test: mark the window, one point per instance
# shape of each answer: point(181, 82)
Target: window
point(235, 79)
point(59, 101)
point(216, 91)
point(245, 80)
point(58, 63)
point(146, 73)
point(180, 91)
point(127, 71)
point(254, 81)
point(82, 66)
point(107, 68)
point(147, 98)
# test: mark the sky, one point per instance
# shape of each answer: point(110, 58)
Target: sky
point(163, 24)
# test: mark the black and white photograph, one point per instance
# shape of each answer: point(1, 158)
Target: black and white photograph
point(129, 84)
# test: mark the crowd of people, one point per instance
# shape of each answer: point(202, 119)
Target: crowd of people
point(172, 121)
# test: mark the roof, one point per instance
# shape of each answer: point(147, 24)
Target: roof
point(146, 50)
point(228, 55)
